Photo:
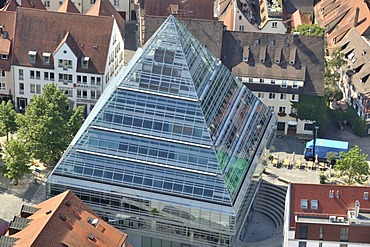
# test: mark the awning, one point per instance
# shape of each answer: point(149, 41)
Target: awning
point(292, 122)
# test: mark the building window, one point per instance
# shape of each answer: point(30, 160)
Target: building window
point(295, 84)
point(262, 80)
point(51, 76)
point(92, 80)
point(282, 109)
point(65, 78)
point(2, 86)
point(283, 96)
point(304, 203)
point(60, 3)
point(271, 95)
point(302, 244)
point(241, 28)
point(92, 94)
point(32, 56)
point(283, 84)
point(92, 1)
point(85, 62)
point(294, 97)
point(260, 95)
point(21, 88)
point(308, 126)
point(20, 74)
point(366, 196)
point(47, 4)
point(2, 73)
point(32, 88)
point(78, 93)
point(116, 3)
point(46, 76)
point(321, 237)
point(314, 204)
point(38, 88)
point(98, 81)
point(274, 24)
point(4, 57)
point(69, 92)
point(46, 58)
point(303, 232)
point(38, 75)
point(240, 17)
point(272, 81)
point(65, 64)
point(280, 126)
point(271, 108)
point(250, 79)
point(344, 234)
point(32, 74)
point(84, 93)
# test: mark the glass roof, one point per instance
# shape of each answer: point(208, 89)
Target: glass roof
point(176, 121)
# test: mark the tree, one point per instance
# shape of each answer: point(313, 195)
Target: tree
point(331, 157)
point(49, 124)
point(332, 91)
point(353, 166)
point(7, 118)
point(16, 159)
point(310, 29)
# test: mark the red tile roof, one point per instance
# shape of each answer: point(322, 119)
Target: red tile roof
point(65, 220)
point(68, 6)
point(343, 200)
point(186, 8)
point(7, 21)
point(105, 8)
point(339, 16)
point(92, 35)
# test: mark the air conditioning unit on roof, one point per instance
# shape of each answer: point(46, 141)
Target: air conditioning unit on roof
point(332, 218)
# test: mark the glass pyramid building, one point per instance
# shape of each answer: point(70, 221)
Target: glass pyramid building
point(170, 153)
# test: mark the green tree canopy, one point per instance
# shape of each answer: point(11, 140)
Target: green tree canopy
point(7, 118)
point(332, 91)
point(352, 166)
point(49, 124)
point(16, 159)
point(310, 29)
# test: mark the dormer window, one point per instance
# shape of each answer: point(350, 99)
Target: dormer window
point(46, 57)
point(4, 57)
point(32, 56)
point(85, 62)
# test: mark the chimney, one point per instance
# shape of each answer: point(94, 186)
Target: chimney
point(356, 17)
point(357, 208)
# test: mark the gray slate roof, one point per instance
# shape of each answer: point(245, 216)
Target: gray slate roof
point(307, 52)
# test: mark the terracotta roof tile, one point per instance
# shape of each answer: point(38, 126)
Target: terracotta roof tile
point(52, 27)
point(7, 21)
point(186, 9)
point(105, 8)
point(340, 15)
point(65, 220)
point(344, 198)
point(68, 6)
point(298, 19)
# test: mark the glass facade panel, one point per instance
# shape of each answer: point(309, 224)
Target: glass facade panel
point(172, 145)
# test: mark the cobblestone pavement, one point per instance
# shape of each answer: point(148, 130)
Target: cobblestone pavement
point(28, 191)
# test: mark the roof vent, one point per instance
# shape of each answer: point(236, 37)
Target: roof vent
point(341, 219)
point(48, 212)
point(63, 217)
point(68, 203)
point(272, 42)
point(5, 35)
point(91, 236)
point(95, 47)
point(94, 222)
